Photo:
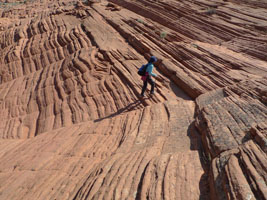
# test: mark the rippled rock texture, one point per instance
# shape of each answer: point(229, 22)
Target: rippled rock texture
point(74, 127)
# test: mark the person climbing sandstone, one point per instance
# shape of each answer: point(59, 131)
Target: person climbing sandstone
point(147, 77)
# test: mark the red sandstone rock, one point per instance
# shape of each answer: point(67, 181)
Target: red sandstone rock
point(234, 142)
point(72, 123)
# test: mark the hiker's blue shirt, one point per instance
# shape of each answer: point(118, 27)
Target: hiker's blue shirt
point(149, 69)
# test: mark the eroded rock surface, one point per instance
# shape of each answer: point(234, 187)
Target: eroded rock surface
point(232, 121)
point(74, 127)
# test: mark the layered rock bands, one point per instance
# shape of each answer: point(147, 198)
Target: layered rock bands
point(73, 125)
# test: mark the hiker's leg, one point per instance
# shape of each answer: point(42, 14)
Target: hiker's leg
point(152, 83)
point(144, 87)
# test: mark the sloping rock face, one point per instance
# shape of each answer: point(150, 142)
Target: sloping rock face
point(74, 127)
point(232, 121)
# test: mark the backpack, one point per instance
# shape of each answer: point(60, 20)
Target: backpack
point(142, 70)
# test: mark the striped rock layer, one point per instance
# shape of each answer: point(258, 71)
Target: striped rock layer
point(74, 127)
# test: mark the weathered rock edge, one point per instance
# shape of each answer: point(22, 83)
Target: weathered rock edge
point(232, 122)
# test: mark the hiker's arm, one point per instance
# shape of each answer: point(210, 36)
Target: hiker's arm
point(149, 70)
point(152, 74)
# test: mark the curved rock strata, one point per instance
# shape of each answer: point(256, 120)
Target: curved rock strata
point(74, 127)
point(232, 121)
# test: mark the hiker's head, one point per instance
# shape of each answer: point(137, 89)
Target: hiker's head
point(152, 59)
